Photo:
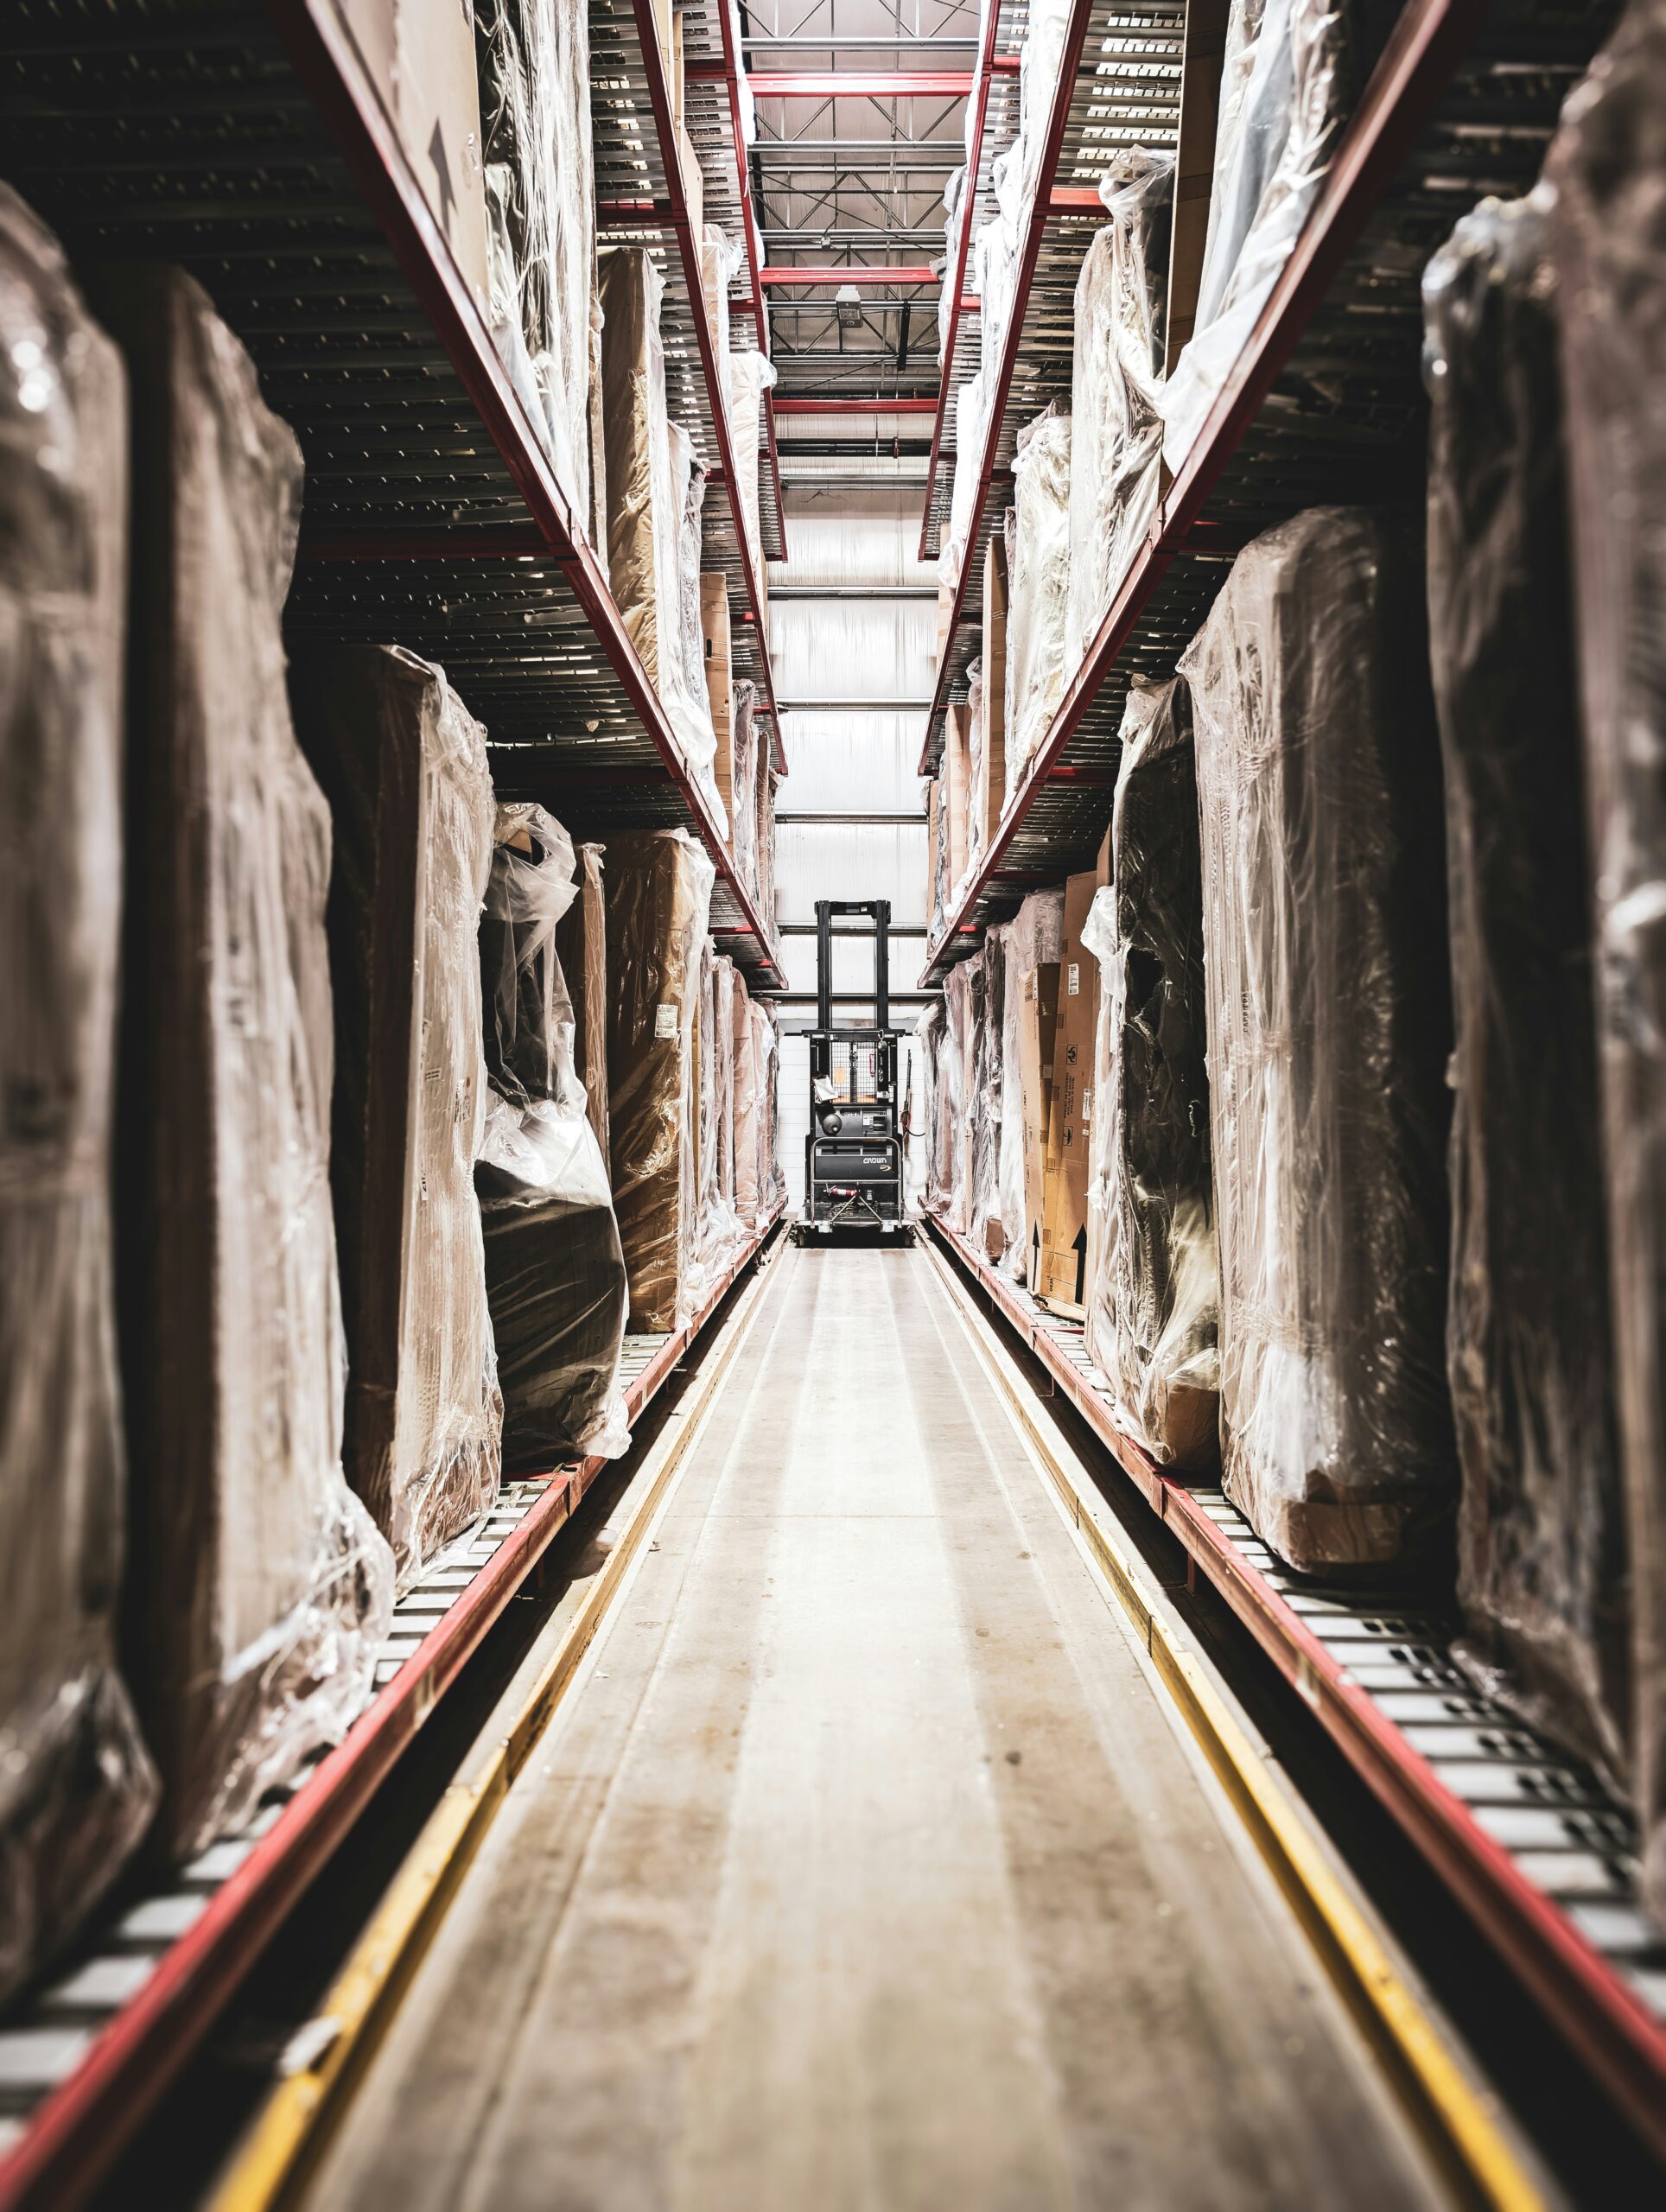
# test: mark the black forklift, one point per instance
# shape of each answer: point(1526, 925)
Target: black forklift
point(853, 1154)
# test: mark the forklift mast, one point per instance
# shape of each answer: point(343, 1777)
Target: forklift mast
point(853, 1153)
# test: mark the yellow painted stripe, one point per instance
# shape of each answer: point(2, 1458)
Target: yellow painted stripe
point(289, 2133)
point(1458, 2119)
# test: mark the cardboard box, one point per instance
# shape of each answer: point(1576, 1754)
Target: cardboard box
point(694, 182)
point(990, 797)
point(1063, 1284)
point(1038, 1023)
point(419, 55)
point(719, 680)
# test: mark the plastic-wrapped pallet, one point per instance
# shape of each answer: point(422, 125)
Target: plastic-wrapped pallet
point(555, 1275)
point(922, 1117)
point(994, 259)
point(1116, 435)
point(956, 208)
point(534, 60)
point(1541, 1542)
point(79, 1788)
point(258, 1589)
point(1292, 71)
point(1033, 940)
point(971, 420)
point(700, 737)
point(976, 731)
point(722, 1030)
point(404, 763)
point(751, 374)
point(986, 1227)
point(647, 494)
point(962, 1010)
point(767, 1043)
point(743, 818)
point(938, 818)
point(720, 1232)
point(1153, 1295)
point(582, 949)
point(658, 900)
point(744, 1063)
point(767, 783)
point(1039, 565)
point(721, 256)
point(1610, 253)
point(1319, 790)
point(1037, 82)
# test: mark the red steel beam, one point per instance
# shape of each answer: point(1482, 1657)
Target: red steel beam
point(855, 406)
point(858, 84)
point(1428, 42)
point(778, 273)
point(955, 291)
point(74, 2137)
point(1620, 2040)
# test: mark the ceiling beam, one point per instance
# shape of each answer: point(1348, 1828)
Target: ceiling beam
point(801, 279)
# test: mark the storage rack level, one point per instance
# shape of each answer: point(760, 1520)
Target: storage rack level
point(246, 143)
point(89, 2055)
point(1325, 402)
point(1526, 1838)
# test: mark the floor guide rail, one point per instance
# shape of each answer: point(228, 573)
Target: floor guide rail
point(1526, 1839)
point(92, 2053)
point(871, 1851)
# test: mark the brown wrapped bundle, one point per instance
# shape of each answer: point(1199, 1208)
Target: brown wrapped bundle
point(77, 1789)
point(405, 765)
point(1608, 245)
point(259, 1589)
point(658, 898)
point(1324, 963)
point(1541, 1548)
point(582, 949)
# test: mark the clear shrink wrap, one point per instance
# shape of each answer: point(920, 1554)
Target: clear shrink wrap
point(1540, 1540)
point(1325, 953)
point(971, 410)
point(766, 1047)
point(938, 816)
point(985, 1225)
point(555, 1274)
point(1154, 1298)
point(743, 784)
point(751, 374)
point(659, 888)
point(647, 476)
point(78, 1788)
point(954, 220)
point(749, 1196)
point(1117, 434)
point(719, 1232)
point(699, 736)
point(1039, 565)
point(534, 58)
point(404, 763)
point(976, 732)
point(926, 1116)
point(765, 834)
point(963, 1009)
point(723, 988)
point(1294, 70)
point(994, 263)
point(258, 1589)
point(582, 949)
point(1035, 939)
point(1609, 242)
point(1037, 81)
point(721, 257)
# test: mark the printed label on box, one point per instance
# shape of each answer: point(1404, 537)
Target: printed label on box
point(1073, 980)
point(665, 1020)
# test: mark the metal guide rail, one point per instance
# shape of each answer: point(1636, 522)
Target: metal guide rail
point(642, 197)
point(1526, 1838)
point(993, 126)
point(245, 142)
point(83, 2058)
point(1326, 402)
point(1119, 86)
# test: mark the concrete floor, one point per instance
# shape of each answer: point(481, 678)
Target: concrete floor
point(864, 1867)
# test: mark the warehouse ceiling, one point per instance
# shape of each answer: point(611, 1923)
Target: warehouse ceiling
point(855, 181)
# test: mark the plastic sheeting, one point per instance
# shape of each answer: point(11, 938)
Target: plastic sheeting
point(750, 375)
point(1610, 253)
point(1329, 1025)
point(405, 764)
point(721, 257)
point(1292, 71)
point(1116, 373)
point(258, 1589)
point(1037, 81)
point(78, 1788)
point(699, 735)
point(659, 888)
point(535, 100)
point(1035, 938)
point(1039, 566)
point(767, 1055)
point(954, 218)
point(977, 737)
point(964, 1001)
point(744, 765)
point(934, 1109)
point(1541, 1546)
point(582, 949)
point(970, 408)
point(1154, 1297)
point(555, 1274)
point(648, 489)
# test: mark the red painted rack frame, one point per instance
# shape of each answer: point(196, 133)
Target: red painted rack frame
point(1619, 2038)
point(77, 2132)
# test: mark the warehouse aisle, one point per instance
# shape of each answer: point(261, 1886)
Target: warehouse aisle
point(864, 1866)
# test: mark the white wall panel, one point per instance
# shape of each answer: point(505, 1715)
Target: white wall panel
point(829, 547)
point(861, 763)
point(816, 860)
point(853, 649)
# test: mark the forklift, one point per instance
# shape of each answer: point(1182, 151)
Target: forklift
point(853, 1154)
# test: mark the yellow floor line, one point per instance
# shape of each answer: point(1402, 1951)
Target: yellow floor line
point(272, 2164)
point(1459, 2120)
